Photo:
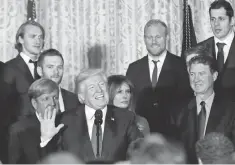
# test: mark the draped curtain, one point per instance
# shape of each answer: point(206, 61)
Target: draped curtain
point(105, 34)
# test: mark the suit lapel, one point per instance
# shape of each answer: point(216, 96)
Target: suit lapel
point(231, 58)
point(145, 70)
point(216, 113)
point(63, 94)
point(83, 138)
point(23, 67)
point(109, 133)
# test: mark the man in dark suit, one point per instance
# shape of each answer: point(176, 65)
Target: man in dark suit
point(207, 112)
point(24, 137)
point(222, 47)
point(159, 78)
point(51, 66)
point(117, 129)
point(20, 72)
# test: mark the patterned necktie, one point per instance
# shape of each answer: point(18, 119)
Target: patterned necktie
point(220, 56)
point(36, 76)
point(155, 74)
point(201, 120)
point(95, 139)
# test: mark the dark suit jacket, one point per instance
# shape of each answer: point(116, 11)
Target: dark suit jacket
point(18, 78)
point(70, 100)
point(225, 84)
point(120, 130)
point(24, 141)
point(221, 119)
point(172, 85)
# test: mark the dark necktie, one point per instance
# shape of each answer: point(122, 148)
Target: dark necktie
point(220, 56)
point(201, 120)
point(94, 140)
point(154, 75)
point(36, 76)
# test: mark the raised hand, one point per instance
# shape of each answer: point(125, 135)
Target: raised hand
point(47, 124)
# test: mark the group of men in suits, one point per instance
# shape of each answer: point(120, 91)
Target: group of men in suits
point(162, 79)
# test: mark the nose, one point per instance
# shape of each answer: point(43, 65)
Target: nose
point(196, 78)
point(52, 101)
point(216, 22)
point(56, 71)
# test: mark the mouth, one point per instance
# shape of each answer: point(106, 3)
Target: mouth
point(217, 30)
point(124, 102)
point(99, 97)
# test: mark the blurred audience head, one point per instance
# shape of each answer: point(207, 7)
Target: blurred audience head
point(120, 91)
point(91, 87)
point(215, 148)
point(134, 147)
point(156, 149)
point(51, 65)
point(30, 38)
point(61, 158)
point(44, 94)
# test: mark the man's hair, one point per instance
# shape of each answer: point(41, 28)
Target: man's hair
point(40, 87)
point(21, 32)
point(217, 4)
point(114, 83)
point(49, 53)
point(205, 60)
point(214, 147)
point(155, 22)
point(197, 50)
point(155, 148)
point(84, 75)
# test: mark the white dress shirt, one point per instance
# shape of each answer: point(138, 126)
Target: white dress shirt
point(161, 59)
point(208, 104)
point(30, 65)
point(61, 101)
point(90, 118)
point(228, 41)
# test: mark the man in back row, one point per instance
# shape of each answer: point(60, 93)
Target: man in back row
point(51, 66)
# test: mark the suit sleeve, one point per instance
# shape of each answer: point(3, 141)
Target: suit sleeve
point(14, 146)
point(132, 130)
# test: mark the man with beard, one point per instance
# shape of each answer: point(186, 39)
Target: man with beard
point(51, 66)
point(160, 78)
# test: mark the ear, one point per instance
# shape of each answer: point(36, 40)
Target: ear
point(232, 21)
point(215, 75)
point(21, 40)
point(81, 98)
point(39, 70)
point(34, 103)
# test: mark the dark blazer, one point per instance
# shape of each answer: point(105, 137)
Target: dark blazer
point(120, 130)
point(225, 83)
point(24, 141)
point(70, 99)
point(172, 85)
point(18, 78)
point(221, 119)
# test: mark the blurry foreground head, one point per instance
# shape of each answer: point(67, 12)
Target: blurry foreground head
point(61, 158)
point(156, 149)
point(214, 148)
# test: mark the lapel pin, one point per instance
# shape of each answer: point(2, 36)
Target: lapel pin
point(112, 118)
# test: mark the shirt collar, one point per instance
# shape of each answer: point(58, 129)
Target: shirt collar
point(228, 40)
point(208, 101)
point(25, 57)
point(90, 112)
point(161, 57)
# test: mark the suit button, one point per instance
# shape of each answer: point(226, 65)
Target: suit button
point(155, 105)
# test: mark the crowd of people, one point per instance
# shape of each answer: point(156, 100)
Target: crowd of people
point(166, 109)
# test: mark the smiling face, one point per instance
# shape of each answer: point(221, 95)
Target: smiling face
point(201, 78)
point(122, 96)
point(94, 92)
point(220, 23)
point(155, 38)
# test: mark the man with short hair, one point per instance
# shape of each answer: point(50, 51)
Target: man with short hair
point(24, 136)
point(51, 66)
point(206, 112)
point(117, 128)
point(160, 78)
point(222, 47)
